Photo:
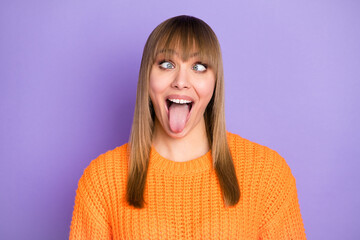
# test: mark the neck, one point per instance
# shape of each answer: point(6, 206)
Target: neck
point(193, 145)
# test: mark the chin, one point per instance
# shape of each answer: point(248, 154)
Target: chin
point(177, 135)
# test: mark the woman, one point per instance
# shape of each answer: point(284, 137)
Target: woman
point(182, 175)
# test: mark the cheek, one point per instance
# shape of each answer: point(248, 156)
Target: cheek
point(154, 88)
point(206, 88)
point(156, 85)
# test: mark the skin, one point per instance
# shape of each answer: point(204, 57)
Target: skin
point(191, 78)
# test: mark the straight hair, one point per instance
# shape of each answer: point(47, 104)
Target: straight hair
point(186, 33)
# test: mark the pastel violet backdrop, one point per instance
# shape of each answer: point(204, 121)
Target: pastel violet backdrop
point(68, 76)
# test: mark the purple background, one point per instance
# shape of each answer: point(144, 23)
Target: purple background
point(68, 72)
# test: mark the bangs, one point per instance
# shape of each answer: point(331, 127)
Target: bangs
point(187, 38)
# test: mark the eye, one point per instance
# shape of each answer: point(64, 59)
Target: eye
point(166, 65)
point(199, 67)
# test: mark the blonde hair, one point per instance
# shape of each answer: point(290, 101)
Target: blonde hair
point(187, 33)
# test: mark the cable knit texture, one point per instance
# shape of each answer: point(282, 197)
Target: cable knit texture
point(184, 199)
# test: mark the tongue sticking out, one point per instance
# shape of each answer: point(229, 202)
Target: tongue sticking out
point(177, 116)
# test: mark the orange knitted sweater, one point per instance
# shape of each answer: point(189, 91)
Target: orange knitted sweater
point(184, 199)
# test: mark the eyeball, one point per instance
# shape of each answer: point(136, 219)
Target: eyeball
point(166, 65)
point(199, 67)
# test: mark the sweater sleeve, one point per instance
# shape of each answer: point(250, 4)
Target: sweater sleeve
point(282, 218)
point(89, 216)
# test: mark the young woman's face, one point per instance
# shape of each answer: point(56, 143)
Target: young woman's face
point(180, 92)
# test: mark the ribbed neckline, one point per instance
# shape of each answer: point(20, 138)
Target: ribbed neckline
point(200, 164)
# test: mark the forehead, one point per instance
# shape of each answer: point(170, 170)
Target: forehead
point(185, 46)
point(178, 53)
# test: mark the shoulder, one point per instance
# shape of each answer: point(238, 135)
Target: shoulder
point(236, 142)
point(251, 155)
point(96, 188)
point(263, 171)
point(105, 168)
point(108, 160)
point(104, 175)
point(242, 146)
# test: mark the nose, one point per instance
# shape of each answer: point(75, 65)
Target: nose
point(181, 79)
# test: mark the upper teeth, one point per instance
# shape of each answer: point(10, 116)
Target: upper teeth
point(181, 101)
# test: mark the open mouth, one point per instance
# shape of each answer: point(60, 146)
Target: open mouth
point(179, 112)
point(169, 103)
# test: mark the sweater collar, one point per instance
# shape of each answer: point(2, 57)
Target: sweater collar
point(200, 164)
